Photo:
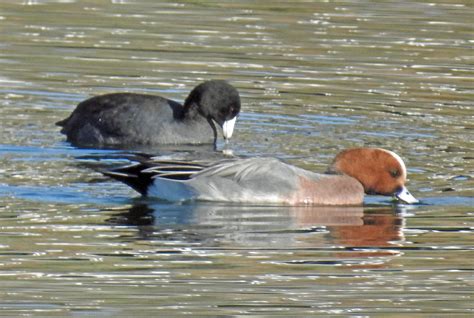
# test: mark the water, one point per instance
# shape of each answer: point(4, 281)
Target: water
point(314, 78)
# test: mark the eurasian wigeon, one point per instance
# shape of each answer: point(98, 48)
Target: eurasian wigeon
point(270, 181)
point(131, 119)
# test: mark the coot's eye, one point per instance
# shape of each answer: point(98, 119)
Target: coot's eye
point(394, 173)
point(234, 112)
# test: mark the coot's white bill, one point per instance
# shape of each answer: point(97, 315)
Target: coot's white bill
point(228, 127)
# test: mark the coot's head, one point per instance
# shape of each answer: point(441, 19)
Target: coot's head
point(216, 100)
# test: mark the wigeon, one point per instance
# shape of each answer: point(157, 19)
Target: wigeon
point(131, 119)
point(270, 181)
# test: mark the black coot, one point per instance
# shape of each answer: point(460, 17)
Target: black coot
point(130, 119)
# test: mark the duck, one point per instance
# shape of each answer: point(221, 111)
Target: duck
point(353, 173)
point(128, 119)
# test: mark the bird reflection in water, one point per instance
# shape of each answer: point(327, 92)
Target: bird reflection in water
point(362, 234)
point(355, 231)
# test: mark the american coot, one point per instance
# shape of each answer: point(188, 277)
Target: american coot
point(267, 180)
point(138, 119)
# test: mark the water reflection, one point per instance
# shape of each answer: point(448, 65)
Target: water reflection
point(267, 227)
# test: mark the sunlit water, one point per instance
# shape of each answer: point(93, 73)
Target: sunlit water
point(314, 78)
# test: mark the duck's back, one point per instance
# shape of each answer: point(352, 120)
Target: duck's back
point(269, 180)
point(256, 180)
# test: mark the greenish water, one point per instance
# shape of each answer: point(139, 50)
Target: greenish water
point(314, 78)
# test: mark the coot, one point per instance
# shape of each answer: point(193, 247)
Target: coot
point(128, 119)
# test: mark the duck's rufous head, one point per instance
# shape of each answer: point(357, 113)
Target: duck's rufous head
point(380, 171)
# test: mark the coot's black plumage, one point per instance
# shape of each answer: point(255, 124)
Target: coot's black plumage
point(138, 119)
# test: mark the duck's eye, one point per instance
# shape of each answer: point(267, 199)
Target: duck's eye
point(394, 173)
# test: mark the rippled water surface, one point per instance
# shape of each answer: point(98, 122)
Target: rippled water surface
point(314, 77)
